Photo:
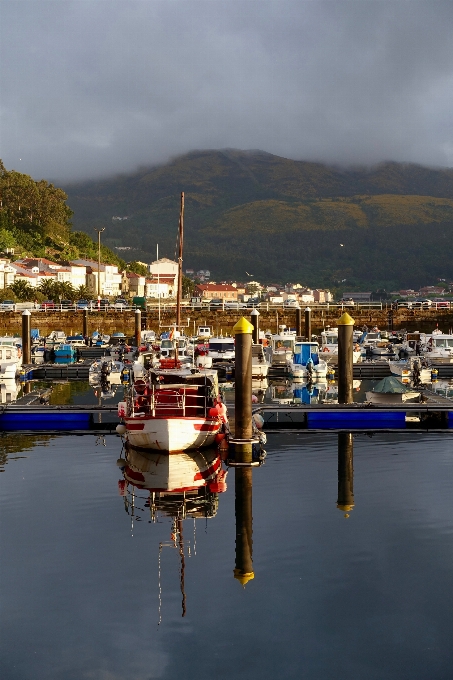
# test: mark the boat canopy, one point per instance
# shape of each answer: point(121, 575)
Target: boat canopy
point(390, 385)
point(304, 351)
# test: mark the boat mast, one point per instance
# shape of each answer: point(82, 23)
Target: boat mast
point(181, 239)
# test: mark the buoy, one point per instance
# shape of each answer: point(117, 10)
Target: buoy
point(259, 420)
point(121, 429)
point(121, 462)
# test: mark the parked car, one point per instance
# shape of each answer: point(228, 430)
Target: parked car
point(235, 305)
point(216, 303)
point(440, 303)
point(83, 304)
point(407, 304)
point(252, 302)
point(349, 302)
point(66, 304)
point(291, 303)
point(47, 304)
point(120, 303)
point(8, 306)
point(422, 303)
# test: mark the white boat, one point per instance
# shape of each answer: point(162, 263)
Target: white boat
point(282, 348)
point(328, 350)
point(204, 333)
point(438, 348)
point(10, 357)
point(55, 338)
point(221, 349)
point(392, 391)
point(260, 362)
point(306, 362)
point(173, 410)
point(443, 388)
point(377, 344)
point(201, 356)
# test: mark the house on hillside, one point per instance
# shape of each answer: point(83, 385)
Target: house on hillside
point(109, 277)
point(133, 284)
point(209, 291)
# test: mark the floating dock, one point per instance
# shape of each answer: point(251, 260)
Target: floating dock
point(43, 418)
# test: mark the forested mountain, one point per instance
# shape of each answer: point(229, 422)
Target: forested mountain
point(280, 219)
point(35, 220)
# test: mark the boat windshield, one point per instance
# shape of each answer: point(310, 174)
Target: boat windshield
point(331, 340)
point(227, 346)
point(166, 344)
point(298, 348)
point(444, 342)
point(373, 336)
point(288, 344)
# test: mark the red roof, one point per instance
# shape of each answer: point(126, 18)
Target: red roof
point(215, 286)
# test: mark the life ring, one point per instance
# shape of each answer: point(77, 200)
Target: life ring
point(326, 349)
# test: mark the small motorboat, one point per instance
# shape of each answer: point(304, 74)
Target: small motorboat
point(392, 391)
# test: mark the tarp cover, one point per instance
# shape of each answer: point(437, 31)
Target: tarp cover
point(390, 385)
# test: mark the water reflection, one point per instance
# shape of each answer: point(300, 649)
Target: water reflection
point(345, 501)
point(180, 486)
point(243, 571)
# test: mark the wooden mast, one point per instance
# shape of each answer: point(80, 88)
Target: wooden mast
point(181, 241)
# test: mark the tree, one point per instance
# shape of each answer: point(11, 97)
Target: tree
point(47, 288)
point(7, 240)
point(188, 286)
point(84, 293)
point(137, 268)
point(22, 290)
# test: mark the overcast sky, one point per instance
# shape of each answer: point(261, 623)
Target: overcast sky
point(94, 88)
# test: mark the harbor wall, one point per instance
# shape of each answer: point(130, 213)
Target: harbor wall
point(222, 322)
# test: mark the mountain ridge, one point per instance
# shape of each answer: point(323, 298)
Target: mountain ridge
point(243, 207)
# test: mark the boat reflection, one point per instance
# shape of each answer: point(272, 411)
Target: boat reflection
point(345, 501)
point(181, 486)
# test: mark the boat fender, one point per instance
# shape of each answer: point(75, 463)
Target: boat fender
point(213, 412)
point(121, 462)
point(259, 420)
point(122, 409)
point(221, 411)
point(326, 349)
point(121, 429)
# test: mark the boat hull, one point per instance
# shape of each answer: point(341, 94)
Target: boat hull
point(172, 434)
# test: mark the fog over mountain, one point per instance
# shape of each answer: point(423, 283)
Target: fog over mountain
point(92, 88)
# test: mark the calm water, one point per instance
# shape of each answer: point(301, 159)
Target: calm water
point(365, 596)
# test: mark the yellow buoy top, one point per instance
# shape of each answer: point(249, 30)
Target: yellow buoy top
point(243, 578)
point(345, 320)
point(345, 508)
point(242, 326)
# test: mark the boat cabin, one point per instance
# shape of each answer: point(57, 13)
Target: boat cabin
point(304, 351)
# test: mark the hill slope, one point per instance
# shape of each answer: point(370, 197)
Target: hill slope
point(281, 219)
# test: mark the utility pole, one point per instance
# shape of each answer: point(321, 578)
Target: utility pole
point(99, 231)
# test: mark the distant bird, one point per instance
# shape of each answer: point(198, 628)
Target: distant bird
point(248, 274)
point(342, 245)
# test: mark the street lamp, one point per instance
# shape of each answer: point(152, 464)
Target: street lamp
point(99, 231)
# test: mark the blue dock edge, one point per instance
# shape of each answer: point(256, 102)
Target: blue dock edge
point(360, 420)
point(14, 422)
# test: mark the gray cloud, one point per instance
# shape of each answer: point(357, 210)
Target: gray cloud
point(94, 88)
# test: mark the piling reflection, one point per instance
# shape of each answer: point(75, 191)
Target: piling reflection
point(345, 501)
point(243, 571)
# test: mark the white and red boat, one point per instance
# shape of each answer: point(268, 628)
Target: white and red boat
point(174, 410)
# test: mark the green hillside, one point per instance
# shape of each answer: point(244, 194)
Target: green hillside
point(281, 219)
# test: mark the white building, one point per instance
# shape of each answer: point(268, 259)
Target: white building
point(109, 276)
point(165, 271)
point(7, 274)
point(156, 290)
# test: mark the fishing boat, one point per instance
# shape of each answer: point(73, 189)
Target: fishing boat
point(172, 408)
point(64, 353)
point(439, 348)
point(282, 348)
point(306, 362)
point(106, 368)
point(407, 369)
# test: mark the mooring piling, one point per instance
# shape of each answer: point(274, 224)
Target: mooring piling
point(243, 391)
point(298, 322)
point(138, 327)
point(345, 365)
point(307, 324)
point(345, 501)
point(26, 337)
point(85, 323)
point(255, 319)
point(243, 571)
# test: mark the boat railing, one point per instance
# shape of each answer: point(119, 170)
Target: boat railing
point(178, 400)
